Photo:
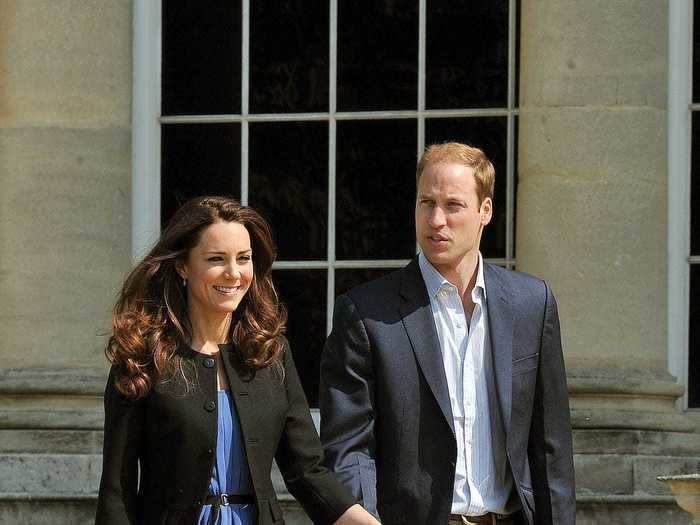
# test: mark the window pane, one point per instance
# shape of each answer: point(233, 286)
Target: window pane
point(377, 55)
point(489, 134)
point(695, 187)
point(694, 339)
point(696, 52)
point(201, 69)
point(288, 56)
point(467, 54)
point(304, 293)
point(347, 279)
point(289, 185)
point(198, 159)
point(516, 98)
point(375, 189)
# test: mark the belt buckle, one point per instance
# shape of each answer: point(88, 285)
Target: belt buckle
point(466, 521)
point(224, 500)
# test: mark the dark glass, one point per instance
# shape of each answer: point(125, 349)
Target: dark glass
point(288, 56)
point(489, 134)
point(198, 159)
point(695, 187)
point(696, 52)
point(288, 184)
point(201, 68)
point(347, 279)
point(694, 339)
point(467, 54)
point(304, 294)
point(516, 129)
point(377, 55)
point(516, 98)
point(375, 189)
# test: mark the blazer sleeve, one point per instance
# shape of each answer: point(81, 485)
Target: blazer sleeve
point(346, 401)
point(118, 502)
point(555, 494)
point(299, 457)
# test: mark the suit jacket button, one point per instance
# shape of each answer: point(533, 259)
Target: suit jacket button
point(210, 406)
point(209, 362)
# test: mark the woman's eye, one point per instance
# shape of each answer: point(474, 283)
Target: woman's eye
point(244, 258)
point(215, 259)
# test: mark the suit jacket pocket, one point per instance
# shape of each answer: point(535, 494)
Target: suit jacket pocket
point(525, 364)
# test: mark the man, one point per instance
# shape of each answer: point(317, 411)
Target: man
point(443, 392)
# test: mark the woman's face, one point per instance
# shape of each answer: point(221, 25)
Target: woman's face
point(219, 269)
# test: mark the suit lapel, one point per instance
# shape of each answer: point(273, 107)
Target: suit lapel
point(500, 320)
point(417, 318)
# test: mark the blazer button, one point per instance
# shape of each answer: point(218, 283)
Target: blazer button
point(210, 406)
point(209, 362)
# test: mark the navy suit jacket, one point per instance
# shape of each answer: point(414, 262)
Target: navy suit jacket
point(386, 419)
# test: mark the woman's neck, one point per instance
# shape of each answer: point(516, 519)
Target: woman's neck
point(209, 332)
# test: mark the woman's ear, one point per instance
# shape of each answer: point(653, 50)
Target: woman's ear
point(181, 269)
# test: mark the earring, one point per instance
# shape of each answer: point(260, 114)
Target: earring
point(184, 282)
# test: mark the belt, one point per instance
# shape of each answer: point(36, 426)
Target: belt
point(224, 500)
point(490, 518)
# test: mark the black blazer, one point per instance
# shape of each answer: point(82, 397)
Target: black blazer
point(165, 444)
point(386, 418)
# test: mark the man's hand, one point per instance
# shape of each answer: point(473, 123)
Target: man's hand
point(356, 515)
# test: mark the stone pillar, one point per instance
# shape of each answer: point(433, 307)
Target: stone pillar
point(65, 97)
point(592, 219)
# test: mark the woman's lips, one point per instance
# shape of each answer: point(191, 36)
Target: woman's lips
point(226, 290)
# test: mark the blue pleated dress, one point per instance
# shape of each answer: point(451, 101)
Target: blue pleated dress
point(230, 474)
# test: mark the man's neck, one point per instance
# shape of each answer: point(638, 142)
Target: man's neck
point(463, 276)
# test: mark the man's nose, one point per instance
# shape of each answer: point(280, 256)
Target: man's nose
point(437, 217)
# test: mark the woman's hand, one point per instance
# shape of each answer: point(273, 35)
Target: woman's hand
point(356, 515)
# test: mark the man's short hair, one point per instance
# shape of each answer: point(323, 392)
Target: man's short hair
point(469, 156)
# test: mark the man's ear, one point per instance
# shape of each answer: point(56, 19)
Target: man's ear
point(486, 211)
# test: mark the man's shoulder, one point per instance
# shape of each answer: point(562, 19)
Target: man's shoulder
point(384, 287)
point(517, 282)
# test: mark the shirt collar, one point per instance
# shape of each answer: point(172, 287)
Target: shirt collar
point(434, 280)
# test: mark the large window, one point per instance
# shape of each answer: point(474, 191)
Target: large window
point(694, 259)
point(315, 113)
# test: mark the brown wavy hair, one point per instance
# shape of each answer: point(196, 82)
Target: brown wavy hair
point(150, 322)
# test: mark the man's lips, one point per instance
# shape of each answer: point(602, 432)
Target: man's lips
point(438, 238)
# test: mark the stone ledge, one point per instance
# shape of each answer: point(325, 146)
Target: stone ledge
point(635, 442)
point(64, 381)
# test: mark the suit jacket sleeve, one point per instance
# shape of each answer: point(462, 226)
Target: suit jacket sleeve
point(557, 493)
point(299, 457)
point(346, 401)
point(118, 502)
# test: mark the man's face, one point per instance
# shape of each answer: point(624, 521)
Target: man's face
point(449, 218)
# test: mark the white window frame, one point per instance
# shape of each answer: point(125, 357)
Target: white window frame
point(680, 67)
point(147, 121)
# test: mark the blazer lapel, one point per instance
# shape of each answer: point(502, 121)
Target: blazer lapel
point(417, 317)
point(500, 320)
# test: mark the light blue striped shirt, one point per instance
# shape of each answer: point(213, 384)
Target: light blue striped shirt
point(482, 480)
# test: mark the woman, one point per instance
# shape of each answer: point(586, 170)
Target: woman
point(203, 392)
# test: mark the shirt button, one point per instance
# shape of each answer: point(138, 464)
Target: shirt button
point(210, 406)
point(209, 362)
